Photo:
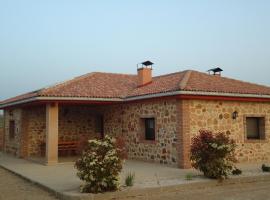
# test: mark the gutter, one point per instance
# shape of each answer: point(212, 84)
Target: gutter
point(58, 99)
point(197, 93)
point(128, 99)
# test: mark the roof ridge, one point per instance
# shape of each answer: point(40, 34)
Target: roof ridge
point(115, 73)
point(184, 81)
point(173, 73)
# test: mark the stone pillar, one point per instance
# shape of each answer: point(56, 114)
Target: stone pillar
point(51, 133)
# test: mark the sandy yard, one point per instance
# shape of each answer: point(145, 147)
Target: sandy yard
point(14, 187)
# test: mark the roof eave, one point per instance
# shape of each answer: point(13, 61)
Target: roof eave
point(197, 93)
point(127, 99)
point(43, 98)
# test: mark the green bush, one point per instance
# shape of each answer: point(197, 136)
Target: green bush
point(213, 154)
point(189, 176)
point(100, 165)
point(129, 180)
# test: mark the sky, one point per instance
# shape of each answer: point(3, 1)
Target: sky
point(45, 42)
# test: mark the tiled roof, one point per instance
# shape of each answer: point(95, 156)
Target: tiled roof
point(208, 83)
point(110, 85)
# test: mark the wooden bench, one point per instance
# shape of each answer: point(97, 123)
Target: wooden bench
point(67, 147)
point(64, 147)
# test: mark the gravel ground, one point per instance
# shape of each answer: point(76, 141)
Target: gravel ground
point(13, 187)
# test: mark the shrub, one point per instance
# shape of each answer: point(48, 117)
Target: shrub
point(213, 154)
point(99, 166)
point(236, 171)
point(189, 176)
point(129, 180)
point(265, 168)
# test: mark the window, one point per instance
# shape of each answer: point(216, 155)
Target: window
point(149, 126)
point(11, 129)
point(99, 125)
point(255, 128)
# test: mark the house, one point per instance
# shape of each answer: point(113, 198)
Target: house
point(156, 116)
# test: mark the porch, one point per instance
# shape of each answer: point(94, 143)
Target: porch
point(62, 176)
point(57, 132)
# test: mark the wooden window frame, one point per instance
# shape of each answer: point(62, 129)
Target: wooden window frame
point(262, 130)
point(143, 129)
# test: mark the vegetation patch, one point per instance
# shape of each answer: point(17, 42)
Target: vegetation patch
point(129, 179)
point(213, 154)
point(100, 165)
point(189, 176)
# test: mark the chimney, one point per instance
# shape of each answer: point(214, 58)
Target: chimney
point(215, 71)
point(144, 73)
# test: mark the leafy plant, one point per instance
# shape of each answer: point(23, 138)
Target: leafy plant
point(213, 154)
point(265, 168)
point(129, 179)
point(99, 166)
point(189, 176)
point(236, 171)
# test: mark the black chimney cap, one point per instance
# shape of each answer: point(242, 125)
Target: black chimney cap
point(147, 63)
point(215, 70)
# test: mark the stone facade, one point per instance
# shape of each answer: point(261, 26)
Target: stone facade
point(12, 145)
point(125, 120)
point(176, 122)
point(217, 116)
point(75, 123)
point(164, 149)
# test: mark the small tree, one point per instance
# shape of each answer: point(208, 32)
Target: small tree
point(100, 165)
point(213, 154)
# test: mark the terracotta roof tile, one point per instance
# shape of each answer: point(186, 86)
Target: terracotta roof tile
point(96, 84)
point(110, 85)
point(209, 83)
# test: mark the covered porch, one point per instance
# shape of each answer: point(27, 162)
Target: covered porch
point(60, 131)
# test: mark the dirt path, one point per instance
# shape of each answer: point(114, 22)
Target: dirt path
point(12, 188)
point(244, 191)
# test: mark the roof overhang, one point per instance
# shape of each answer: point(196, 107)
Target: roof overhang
point(179, 94)
point(62, 99)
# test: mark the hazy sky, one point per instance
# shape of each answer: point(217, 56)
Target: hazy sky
point(43, 42)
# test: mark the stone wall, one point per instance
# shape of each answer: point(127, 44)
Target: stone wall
point(217, 116)
point(78, 123)
point(177, 121)
point(164, 149)
point(35, 128)
point(12, 145)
